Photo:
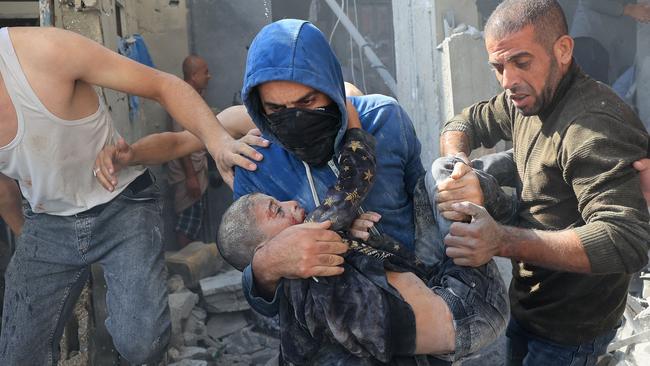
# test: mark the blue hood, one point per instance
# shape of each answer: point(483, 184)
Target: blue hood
point(292, 50)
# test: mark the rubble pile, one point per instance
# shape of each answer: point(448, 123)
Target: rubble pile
point(212, 324)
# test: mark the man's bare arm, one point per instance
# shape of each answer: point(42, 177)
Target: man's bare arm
point(162, 147)
point(76, 62)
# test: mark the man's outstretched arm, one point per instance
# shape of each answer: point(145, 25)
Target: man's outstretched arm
point(162, 147)
point(76, 59)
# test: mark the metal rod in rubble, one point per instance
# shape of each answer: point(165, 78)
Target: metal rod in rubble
point(375, 63)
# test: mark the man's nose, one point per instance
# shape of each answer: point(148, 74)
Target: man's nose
point(509, 79)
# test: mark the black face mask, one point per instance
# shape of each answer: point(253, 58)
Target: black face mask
point(307, 133)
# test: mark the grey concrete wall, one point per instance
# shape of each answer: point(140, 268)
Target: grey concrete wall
point(416, 60)
point(18, 9)
point(435, 80)
point(220, 32)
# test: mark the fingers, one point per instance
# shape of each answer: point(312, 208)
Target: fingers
point(450, 184)
point(329, 260)
point(255, 140)
point(464, 257)
point(242, 162)
point(105, 171)
point(102, 176)
point(455, 216)
point(469, 208)
point(371, 215)
point(460, 169)
point(459, 230)
point(642, 165)
point(320, 271)
point(255, 132)
point(359, 234)
point(454, 196)
point(360, 227)
point(246, 150)
point(332, 247)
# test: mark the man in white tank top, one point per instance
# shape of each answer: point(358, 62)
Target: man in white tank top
point(52, 126)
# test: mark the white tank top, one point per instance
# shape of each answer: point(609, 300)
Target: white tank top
point(51, 158)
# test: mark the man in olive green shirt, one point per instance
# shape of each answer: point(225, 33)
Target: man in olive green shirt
point(582, 220)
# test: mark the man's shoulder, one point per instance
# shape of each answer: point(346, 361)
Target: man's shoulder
point(372, 103)
point(593, 105)
point(381, 113)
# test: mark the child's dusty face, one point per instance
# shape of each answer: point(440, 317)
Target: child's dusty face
point(273, 216)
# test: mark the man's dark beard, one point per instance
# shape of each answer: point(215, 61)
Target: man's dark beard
point(546, 96)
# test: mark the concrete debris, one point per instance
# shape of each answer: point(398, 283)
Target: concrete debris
point(194, 353)
point(227, 337)
point(223, 293)
point(180, 308)
point(248, 341)
point(187, 362)
point(175, 283)
point(265, 355)
point(221, 325)
point(194, 262)
point(182, 303)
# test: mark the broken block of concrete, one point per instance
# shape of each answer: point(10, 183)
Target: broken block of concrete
point(221, 325)
point(175, 283)
point(180, 308)
point(194, 262)
point(223, 293)
point(182, 303)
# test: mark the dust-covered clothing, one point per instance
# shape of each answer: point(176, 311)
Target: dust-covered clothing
point(56, 178)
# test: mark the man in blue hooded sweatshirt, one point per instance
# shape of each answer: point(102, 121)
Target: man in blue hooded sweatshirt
point(290, 65)
point(290, 72)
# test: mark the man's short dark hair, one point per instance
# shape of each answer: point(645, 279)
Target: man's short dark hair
point(238, 233)
point(512, 16)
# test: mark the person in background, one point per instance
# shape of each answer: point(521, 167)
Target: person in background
point(188, 175)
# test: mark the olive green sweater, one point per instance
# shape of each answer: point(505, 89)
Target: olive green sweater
point(574, 163)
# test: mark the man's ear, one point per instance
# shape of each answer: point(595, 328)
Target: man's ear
point(563, 50)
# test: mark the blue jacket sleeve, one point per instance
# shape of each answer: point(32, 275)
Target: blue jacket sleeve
point(256, 301)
